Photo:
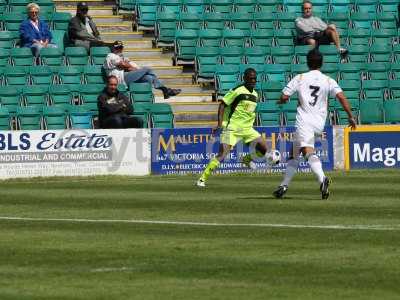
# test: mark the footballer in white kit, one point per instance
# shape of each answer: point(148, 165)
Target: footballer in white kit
point(313, 90)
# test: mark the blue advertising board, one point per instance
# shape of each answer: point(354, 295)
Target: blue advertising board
point(188, 150)
point(372, 147)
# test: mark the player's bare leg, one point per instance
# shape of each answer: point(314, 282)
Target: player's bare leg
point(223, 151)
point(333, 34)
point(316, 168)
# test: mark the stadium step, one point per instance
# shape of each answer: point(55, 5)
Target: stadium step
point(195, 124)
point(195, 116)
point(94, 11)
point(195, 106)
point(91, 3)
point(131, 43)
point(176, 79)
point(184, 97)
point(167, 70)
point(120, 26)
point(108, 19)
point(114, 35)
point(151, 61)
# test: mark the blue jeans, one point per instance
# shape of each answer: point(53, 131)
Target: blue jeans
point(37, 47)
point(142, 75)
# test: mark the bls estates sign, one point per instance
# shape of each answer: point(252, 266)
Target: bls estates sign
point(372, 147)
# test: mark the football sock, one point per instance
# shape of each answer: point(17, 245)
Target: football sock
point(291, 169)
point(214, 163)
point(316, 167)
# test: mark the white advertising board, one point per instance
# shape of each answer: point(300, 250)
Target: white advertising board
point(74, 152)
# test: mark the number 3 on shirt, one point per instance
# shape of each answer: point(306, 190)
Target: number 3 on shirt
point(314, 94)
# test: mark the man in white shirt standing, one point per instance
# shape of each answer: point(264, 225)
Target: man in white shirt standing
point(127, 71)
point(313, 89)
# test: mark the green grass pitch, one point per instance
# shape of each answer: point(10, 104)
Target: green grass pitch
point(352, 252)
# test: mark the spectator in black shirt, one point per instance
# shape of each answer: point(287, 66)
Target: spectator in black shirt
point(115, 109)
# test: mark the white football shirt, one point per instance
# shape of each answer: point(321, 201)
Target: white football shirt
point(111, 66)
point(313, 90)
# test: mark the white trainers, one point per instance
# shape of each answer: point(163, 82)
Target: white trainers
point(201, 183)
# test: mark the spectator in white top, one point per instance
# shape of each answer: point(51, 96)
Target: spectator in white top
point(127, 71)
point(313, 31)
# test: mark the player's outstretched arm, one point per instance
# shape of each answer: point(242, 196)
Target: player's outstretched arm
point(221, 109)
point(284, 98)
point(347, 108)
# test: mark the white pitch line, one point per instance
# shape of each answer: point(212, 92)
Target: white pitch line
point(204, 224)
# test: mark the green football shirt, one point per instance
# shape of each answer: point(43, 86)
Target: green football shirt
point(241, 105)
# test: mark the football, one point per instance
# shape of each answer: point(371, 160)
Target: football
point(273, 157)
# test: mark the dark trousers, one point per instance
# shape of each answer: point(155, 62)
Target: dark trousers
point(119, 122)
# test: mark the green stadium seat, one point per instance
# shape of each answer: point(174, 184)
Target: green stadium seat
point(270, 119)
point(70, 75)
point(162, 116)
point(173, 6)
point(371, 112)
point(242, 21)
point(358, 53)
point(35, 96)
point(81, 121)
point(206, 61)
point(351, 71)
point(350, 85)
point(60, 94)
point(284, 37)
point(330, 69)
point(210, 37)
point(146, 12)
point(283, 55)
point(51, 57)
point(4, 57)
point(380, 53)
point(221, 6)
point(256, 55)
point(383, 36)
point(9, 99)
point(3, 6)
point(386, 20)
point(215, 20)
point(54, 118)
point(60, 39)
point(165, 28)
point(226, 77)
point(268, 107)
point(21, 57)
point(272, 90)
point(141, 92)
point(6, 40)
point(5, 120)
point(269, 5)
point(340, 19)
point(392, 111)
point(190, 21)
point(185, 45)
point(363, 20)
point(18, 6)
point(374, 89)
point(12, 20)
point(302, 49)
point(366, 6)
point(289, 110)
point(128, 5)
point(142, 108)
point(60, 20)
point(29, 118)
point(231, 55)
point(395, 70)
point(358, 36)
point(378, 71)
point(390, 6)
point(98, 55)
point(276, 72)
point(394, 86)
point(285, 20)
point(341, 115)
point(244, 6)
point(265, 20)
point(41, 75)
point(93, 74)
point(90, 92)
point(193, 7)
point(262, 37)
point(298, 69)
point(15, 75)
point(233, 38)
point(76, 56)
point(330, 53)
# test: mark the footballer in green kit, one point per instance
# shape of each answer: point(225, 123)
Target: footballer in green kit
point(236, 116)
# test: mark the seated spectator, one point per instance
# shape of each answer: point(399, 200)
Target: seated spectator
point(35, 33)
point(313, 31)
point(115, 109)
point(82, 31)
point(127, 71)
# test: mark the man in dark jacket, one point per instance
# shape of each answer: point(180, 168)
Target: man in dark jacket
point(115, 109)
point(82, 31)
